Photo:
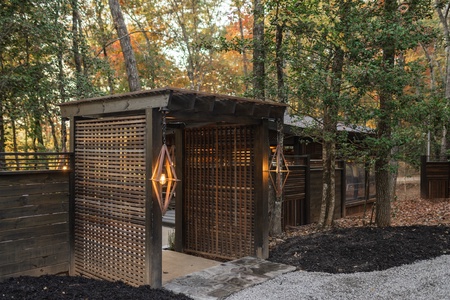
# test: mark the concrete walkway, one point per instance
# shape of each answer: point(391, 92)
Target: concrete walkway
point(176, 264)
point(224, 279)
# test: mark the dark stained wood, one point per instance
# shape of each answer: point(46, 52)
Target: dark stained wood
point(153, 228)
point(316, 195)
point(219, 191)
point(261, 190)
point(434, 179)
point(110, 202)
point(294, 206)
point(176, 100)
point(34, 230)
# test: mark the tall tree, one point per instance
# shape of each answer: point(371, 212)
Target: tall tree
point(259, 57)
point(442, 8)
point(125, 42)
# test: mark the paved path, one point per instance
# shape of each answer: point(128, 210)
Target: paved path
point(222, 280)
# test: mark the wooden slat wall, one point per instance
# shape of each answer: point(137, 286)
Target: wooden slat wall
point(294, 206)
point(219, 191)
point(316, 194)
point(437, 176)
point(34, 230)
point(110, 199)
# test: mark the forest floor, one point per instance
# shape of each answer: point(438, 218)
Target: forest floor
point(420, 230)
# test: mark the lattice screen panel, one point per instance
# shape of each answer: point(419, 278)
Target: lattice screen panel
point(110, 199)
point(219, 191)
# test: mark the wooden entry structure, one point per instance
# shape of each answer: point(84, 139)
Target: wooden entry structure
point(115, 219)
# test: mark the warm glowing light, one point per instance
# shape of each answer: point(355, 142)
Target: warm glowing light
point(162, 179)
point(278, 170)
point(64, 168)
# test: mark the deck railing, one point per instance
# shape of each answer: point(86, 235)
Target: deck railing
point(34, 161)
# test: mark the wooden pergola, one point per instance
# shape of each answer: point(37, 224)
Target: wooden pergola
point(222, 156)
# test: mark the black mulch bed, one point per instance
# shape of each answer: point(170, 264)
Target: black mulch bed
point(349, 250)
point(363, 249)
point(76, 287)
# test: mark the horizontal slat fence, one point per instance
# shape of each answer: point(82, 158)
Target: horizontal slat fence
point(435, 177)
point(34, 161)
point(34, 223)
point(295, 192)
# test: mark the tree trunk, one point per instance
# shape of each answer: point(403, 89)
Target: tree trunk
point(383, 188)
point(99, 8)
point(384, 130)
point(125, 43)
point(76, 48)
point(259, 56)
point(243, 48)
point(330, 116)
point(446, 32)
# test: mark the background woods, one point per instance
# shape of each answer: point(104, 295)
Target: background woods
point(378, 65)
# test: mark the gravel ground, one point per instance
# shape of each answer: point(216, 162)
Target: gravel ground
point(429, 279)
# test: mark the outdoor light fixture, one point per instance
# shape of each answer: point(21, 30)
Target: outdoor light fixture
point(164, 177)
point(278, 167)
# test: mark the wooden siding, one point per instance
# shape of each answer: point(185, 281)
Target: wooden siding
point(219, 188)
point(316, 195)
point(110, 199)
point(434, 179)
point(295, 194)
point(34, 229)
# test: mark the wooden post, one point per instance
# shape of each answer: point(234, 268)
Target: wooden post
point(153, 214)
point(72, 199)
point(343, 188)
point(179, 168)
point(308, 190)
point(261, 226)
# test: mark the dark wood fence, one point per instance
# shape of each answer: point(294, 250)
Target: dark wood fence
point(296, 192)
point(303, 191)
point(434, 177)
point(34, 219)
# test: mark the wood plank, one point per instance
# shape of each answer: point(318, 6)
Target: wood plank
point(35, 262)
point(25, 233)
point(33, 242)
point(15, 256)
point(46, 270)
point(33, 200)
point(32, 221)
point(33, 210)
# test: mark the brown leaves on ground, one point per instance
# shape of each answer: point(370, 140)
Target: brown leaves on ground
point(407, 209)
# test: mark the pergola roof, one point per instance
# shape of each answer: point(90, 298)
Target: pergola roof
point(182, 104)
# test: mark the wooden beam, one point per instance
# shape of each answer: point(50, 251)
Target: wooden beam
point(115, 105)
point(261, 225)
point(72, 198)
point(198, 117)
point(204, 104)
point(153, 215)
point(182, 102)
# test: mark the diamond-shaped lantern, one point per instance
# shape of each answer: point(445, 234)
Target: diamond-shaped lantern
point(164, 179)
point(278, 170)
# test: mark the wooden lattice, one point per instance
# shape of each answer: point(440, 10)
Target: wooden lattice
point(110, 199)
point(218, 204)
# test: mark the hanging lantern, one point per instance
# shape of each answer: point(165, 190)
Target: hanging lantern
point(278, 170)
point(164, 177)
